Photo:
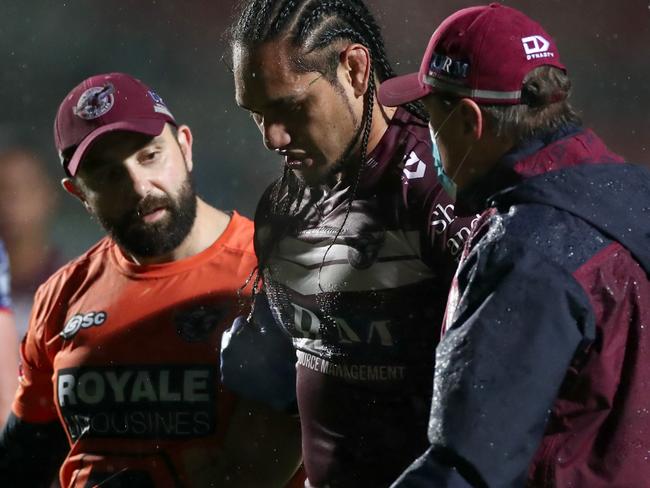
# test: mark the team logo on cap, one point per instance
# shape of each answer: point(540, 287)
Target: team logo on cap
point(158, 104)
point(95, 102)
point(536, 47)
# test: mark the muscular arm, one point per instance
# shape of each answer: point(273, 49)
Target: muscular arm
point(500, 365)
point(31, 453)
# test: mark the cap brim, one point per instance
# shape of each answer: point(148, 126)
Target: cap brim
point(401, 90)
point(149, 127)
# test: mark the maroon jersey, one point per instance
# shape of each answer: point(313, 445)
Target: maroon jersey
point(364, 302)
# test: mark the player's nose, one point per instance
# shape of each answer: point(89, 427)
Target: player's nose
point(139, 179)
point(275, 136)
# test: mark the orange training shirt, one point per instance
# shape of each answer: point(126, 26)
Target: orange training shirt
point(126, 357)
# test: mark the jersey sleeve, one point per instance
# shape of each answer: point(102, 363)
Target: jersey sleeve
point(34, 400)
point(30, 454)
point(5, 280)
point(514, 329)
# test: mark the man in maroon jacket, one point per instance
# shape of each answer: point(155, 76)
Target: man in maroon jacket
point(542, 373)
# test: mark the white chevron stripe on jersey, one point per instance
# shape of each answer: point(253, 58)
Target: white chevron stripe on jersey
point(396, 246)
point(381, 275)
point(395, 266)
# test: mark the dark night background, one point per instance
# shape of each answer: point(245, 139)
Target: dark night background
point(176, 47)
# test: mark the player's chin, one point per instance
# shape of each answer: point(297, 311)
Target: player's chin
point(313, 175)
point(147, 231)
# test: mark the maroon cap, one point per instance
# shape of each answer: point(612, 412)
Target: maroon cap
point(104, 103)
point(482, 53)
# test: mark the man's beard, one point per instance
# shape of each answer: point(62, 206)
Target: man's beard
point(140, 239)
point(347, 162)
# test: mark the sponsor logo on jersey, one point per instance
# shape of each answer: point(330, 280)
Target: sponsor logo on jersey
point(308, 325)
point(197, 323)
point(95, 102)
point(175, 401)
point(441, 218)
point(352, 372)
point(536, 47)
point(414, 167)
point(82, 321)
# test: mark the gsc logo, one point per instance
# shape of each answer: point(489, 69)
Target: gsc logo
point(82, 321)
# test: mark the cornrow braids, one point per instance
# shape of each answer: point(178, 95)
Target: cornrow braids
point(315, 28)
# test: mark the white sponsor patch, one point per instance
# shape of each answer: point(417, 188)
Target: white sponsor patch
point(536, 47)
point(414, 168)
point(352, 372)
point(82, 321)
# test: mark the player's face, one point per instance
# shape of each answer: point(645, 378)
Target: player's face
point(140, 189)
point(310, 121)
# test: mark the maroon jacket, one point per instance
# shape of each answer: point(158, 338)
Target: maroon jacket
point(542, 375)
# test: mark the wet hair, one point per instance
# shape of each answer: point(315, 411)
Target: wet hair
point(544, 107)
point(315, 30)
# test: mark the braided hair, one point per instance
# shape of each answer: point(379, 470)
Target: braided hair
point(315, 30)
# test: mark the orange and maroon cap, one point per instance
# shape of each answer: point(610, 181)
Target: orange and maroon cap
point(482, 53)
point(105, 103)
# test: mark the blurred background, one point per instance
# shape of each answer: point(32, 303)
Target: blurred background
point(176, 47)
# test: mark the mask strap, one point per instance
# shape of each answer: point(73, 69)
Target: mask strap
point(435, 134)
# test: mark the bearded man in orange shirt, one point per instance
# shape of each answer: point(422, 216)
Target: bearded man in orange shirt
point(119, 383)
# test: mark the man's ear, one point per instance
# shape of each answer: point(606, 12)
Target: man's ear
point(356, 61)
point(185, 140)
point(472, 119)
point(71, 186)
